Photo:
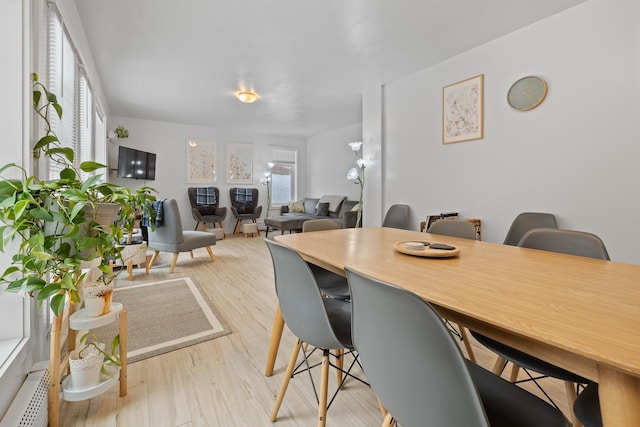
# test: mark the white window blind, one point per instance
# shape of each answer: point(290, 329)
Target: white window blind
point(69, 83)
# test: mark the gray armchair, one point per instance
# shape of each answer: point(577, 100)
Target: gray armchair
point(244, 205)
point(169, 236)
point(206, 212)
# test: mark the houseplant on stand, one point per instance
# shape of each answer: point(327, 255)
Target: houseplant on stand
point(60, 227)
point(57, 219)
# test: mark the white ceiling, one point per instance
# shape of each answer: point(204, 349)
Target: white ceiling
point(182, 61)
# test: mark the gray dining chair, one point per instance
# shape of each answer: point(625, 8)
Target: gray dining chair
point(453, 228)
point(324, 323)
point(397, 217)
point(463, 230)
point(331, 284)
point(587, 407)
point(528, 221)
point(170, 237)
point(553, 240)
point(430, 382)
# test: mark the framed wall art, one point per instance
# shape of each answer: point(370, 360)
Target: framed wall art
point(462, 110)
point(239, 161)
point(202, 157)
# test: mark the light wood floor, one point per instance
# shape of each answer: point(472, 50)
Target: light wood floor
point(221, 382)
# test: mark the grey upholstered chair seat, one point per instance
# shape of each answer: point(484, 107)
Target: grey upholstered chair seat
point(191, 240)
point(169, 236)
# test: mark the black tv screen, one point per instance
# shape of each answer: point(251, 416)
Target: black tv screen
point(136, 164)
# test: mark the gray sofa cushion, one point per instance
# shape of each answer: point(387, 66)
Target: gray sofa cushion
point(323, 209)
point(310, 206)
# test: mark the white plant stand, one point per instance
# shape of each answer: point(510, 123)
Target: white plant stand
point(60, 384)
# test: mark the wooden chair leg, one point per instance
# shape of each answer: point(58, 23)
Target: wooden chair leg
point(324, 387)
point(339, 364)
point(467, 343)
point(213, 257)
point(499, 366)
point(204, 228)
point(571, 398)
point(274, 342)
point(197, 224)
point(173, 262)
point(515, 370)
point(153, 258)
point(255, 222)
point(285, 380)
point(191, 254)
point(388, 421)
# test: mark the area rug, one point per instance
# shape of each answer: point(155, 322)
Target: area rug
point(165, 316)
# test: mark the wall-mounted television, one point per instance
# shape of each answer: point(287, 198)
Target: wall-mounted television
point(136, 164)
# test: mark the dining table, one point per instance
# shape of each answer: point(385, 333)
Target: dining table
point(579, 313)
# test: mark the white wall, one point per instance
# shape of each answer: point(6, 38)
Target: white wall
point(168, 141)
point(329, 158)
point(576, 155)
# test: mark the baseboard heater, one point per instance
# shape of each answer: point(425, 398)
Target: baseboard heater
point(29, 408)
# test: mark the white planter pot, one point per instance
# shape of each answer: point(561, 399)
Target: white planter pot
point(97, 300)
point(85, 372)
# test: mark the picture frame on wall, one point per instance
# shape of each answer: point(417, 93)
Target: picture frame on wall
point(239, 163)
point(201, 158)
point(463, 110)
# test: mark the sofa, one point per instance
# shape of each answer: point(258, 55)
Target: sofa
point(335, 208)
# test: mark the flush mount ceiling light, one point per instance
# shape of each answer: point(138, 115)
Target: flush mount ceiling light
point(247, 96)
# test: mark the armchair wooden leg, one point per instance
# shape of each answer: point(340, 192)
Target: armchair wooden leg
point(153, 258)
point(197, 224)
point(213, 258)
point(191, 254)
point(204, 228)
point(285, 380)
point(173, 262)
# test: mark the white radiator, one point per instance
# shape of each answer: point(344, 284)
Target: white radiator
point(29, 408)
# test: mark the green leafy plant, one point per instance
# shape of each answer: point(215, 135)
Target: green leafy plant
point(56, 219)
point(121, 132)
point(109, 356)
point(139, 204)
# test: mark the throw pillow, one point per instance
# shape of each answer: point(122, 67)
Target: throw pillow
point(323, 209)
point(296, 206)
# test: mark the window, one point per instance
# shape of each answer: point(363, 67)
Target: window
point(70, 84)
point(284, 176)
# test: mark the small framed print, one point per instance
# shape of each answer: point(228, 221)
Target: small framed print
point(462, 110)
point(202, 157)
point(239, 162)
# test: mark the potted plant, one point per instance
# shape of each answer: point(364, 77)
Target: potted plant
point(91, 360)
point(139, 204)
point(58, 220)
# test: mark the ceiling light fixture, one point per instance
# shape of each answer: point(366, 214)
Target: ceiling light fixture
point(247, 96)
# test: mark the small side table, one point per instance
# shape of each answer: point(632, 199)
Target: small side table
point(249, 228)
point(134, 254)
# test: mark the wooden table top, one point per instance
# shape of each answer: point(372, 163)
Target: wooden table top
point(577, 312)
